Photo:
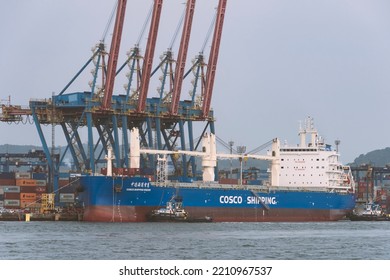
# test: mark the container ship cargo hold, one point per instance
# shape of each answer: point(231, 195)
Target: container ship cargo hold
point(306, 183)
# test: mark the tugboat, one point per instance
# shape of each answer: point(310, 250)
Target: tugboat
point(174, 212)
point(370, 212)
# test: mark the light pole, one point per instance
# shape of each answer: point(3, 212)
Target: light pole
point(231, 143)
point(241, 150)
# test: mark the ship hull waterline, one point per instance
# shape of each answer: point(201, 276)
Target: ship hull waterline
point(139, 214)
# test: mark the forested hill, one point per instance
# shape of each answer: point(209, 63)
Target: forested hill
point(378, 158)
point(17, 149)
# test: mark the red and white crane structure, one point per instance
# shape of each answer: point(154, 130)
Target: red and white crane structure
point(182, 56)
point(149, 53)
point(213, 58)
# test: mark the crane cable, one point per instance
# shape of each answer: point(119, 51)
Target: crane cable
point(226, 145)
point(261, 147)
point(177, 29)
point(109, 23)
point(209, 32)
point(145, 24)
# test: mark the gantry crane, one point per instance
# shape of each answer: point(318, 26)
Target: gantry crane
point(108, 117)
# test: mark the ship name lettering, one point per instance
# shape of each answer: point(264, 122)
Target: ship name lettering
point(230, 199)
point(261, 199)
point(140, 184)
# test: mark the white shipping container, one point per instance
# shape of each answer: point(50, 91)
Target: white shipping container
point(1, 191)
point(67, 197)
point(11, 189)
point(41, 183)
point(11, 202)
point(22, 175)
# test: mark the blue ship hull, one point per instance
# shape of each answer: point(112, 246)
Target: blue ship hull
point(131, 199)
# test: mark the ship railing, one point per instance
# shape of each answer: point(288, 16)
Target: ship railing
point(261, 188)
point(312, 189)
point(203, 185)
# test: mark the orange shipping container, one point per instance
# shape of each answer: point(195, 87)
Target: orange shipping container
point(26, 182)
point(28, 196)
point(30, 182)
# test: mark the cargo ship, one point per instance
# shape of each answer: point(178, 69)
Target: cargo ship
point(307, 182)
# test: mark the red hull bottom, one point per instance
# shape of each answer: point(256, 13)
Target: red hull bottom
point(139, 214)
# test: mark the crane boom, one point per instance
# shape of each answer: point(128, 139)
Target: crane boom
point(114, 52)
point(182, 56)
point(212, 65)
point(149, 53)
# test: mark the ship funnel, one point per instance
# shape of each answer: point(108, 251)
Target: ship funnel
point(135, 148)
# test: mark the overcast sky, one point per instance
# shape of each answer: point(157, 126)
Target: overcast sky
point(280, 61)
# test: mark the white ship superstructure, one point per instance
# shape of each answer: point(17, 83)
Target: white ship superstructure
point(312, 163)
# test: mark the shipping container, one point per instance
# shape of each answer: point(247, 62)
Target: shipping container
point(63, 183)
point(7, 175)
point(28, 196)
point(30, 204)
point(39, 176)
point(228, 181)
point(22, 175)
point(26, 182)
point(27, 189)
point(40, 189)
point(122, 171)
point(11, 189)
point(11, 195)
point(67, 195)
point(2, 196)
point(7, 182)
point(12, 202)
point(1, 190)
point(30, 182)
point(1, 203)
point(66, 198)
point(41, 183)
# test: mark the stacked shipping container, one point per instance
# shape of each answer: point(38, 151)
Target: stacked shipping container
point(20, 190)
